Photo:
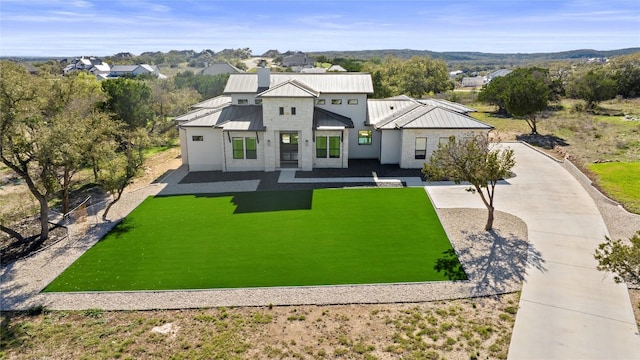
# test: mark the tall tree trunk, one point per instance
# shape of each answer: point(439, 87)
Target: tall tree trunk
point(66, 180)
point(44, 217)
point(489, 225)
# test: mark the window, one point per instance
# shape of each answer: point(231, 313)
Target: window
point(238, 148)
point(321, 102)
point(364, 137)
point(252, 148)
point(258, 101)
point(281, 110)
point(336, 101)
point(243, 101)
point(321, 146)
point(197, 138)
point(421, 148)
point(334, 147)
point(293, 111)
point(352, 101)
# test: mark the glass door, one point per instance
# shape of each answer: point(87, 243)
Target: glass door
point(289, 150)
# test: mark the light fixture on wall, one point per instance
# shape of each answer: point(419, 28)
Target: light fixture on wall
point(268, 142)
point(306, 142)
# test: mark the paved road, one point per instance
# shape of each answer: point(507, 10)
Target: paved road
point(568, 309)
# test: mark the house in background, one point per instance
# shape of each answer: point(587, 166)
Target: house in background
point(220, 68)
point(474, 81)
point(135, 70)
point(497, 73)
point(266, 121)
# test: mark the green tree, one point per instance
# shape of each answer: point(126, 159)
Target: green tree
point(625, 70)
point(21, 124)
point(592, 86)
point(130, 101)
point(471, 161)
point(620, 258)
point(527, 95)
point(118, 167)
point(420, 76)
point(495, 93)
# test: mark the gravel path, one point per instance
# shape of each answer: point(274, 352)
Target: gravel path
point(494, 261)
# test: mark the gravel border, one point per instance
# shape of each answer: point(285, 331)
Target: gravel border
point(479, 252)
point(494, 261)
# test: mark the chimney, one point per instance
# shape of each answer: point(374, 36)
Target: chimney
point(264, 75)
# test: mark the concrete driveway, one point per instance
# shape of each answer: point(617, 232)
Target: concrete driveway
point(568, 309)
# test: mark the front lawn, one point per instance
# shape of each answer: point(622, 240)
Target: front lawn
point(620, 181)
point(263, 239)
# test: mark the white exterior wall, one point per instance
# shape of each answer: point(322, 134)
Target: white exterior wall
point(302, 123)
point(204, 155)
point(343, 160)
point(408, 137)
point(391, 146)
point(232, 164)
point(184, 153)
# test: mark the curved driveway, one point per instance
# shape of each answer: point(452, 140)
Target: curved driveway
point(568, 309)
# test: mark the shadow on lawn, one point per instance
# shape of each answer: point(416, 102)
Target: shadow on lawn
point(263, 201)
point(493, 261)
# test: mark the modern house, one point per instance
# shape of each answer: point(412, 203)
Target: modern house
point(267, 121)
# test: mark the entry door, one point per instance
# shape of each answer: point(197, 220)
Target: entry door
point(289, 149)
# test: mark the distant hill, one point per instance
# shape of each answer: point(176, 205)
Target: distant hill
point(474, 56)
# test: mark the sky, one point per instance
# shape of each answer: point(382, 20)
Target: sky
point(106, 27)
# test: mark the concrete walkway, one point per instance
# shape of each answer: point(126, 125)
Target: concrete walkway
point(568, 309)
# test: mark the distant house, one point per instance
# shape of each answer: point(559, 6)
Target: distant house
point(266, 121)
point(497, 73)
point(299, 59)
point(336, 68)
point(82, 63)
point(473, 81)
point(135, 70)
point(220, 68)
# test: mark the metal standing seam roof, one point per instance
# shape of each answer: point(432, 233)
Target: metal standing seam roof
point(406, 113)
point(193, 114)
point(231, 117)
point(336, 83)
point(448, 105)
point(215, 102)
point(290, 89)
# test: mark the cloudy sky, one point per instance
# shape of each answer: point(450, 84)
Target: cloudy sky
point(101, 27)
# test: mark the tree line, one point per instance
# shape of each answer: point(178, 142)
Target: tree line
point(52, 127)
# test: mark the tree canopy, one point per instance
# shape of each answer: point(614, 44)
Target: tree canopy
point(593, 86)
point(471, 161)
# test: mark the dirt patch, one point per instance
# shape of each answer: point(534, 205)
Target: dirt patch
point(12, 249)
point(462, 329)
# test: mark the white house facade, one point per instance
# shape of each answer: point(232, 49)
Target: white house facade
point(266, 121)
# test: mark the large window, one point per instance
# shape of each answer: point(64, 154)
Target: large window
point(281, 110)
point(238, 148)
point(252, 148)
point(321, 146)
point(333, 148)
point(293, 111)
point(364, 137)
point(245, 148)
point(421, 148)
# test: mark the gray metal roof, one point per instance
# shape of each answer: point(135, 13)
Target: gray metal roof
point(215, 102)
point(324, 118)
point(231, 117)
point(193, 114)
point(124, 68)
point(289, 88)
point(220, 68)
point(448, 105)
point(406, 113)
point(332, 83)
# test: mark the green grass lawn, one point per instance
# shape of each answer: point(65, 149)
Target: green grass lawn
point(620, 181)
point(263, 239)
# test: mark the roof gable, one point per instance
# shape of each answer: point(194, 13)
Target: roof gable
point(289, 88)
